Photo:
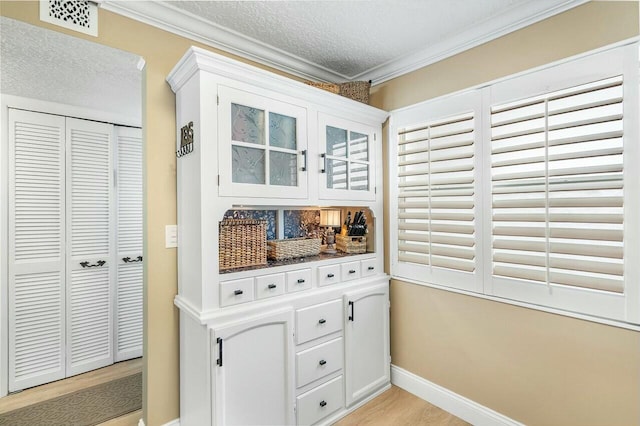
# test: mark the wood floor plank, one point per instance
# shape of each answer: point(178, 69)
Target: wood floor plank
point(398, 407)
point(71, 384)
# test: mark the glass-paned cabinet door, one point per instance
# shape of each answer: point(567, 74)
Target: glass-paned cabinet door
point(262, 146)
point(347, 150)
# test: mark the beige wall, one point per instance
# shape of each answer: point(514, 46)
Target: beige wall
point(161, 51)
point(535, 367)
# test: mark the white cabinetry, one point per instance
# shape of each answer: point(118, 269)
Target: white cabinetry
point(253, 371)
point(366, 335)
point(261, 141)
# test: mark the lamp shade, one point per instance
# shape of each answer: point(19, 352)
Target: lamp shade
point(330, 218)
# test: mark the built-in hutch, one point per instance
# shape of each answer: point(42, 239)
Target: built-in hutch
point(302, 341)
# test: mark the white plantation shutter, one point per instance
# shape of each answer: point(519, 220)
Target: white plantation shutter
point(90, 241)
point(128, 326)
point(36, 249)
point(557, 187)
point(436, 194)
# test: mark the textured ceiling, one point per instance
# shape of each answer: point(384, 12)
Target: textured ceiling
point(50, 66)
point(352, 39)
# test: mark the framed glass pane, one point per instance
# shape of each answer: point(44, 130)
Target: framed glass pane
point(336, 142)
point(247, 124)
point(283, 168)
point(282, 131)
point(248, 165)
point(358, 146)
point(359, 177)
point(337, 174)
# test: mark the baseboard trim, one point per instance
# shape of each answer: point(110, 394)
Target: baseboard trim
point(174, 422)
point(464, 408)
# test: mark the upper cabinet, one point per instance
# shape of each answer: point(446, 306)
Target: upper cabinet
point(348, 159)
point(262, 146)
point(263, 139)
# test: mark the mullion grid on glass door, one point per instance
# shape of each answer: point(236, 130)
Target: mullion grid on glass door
point(557, 188)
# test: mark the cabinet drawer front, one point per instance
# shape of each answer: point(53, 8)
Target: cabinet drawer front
point(318, 320)
point(328, 275)
point(298, 280)
point(368, 267)
point(269, 286)
point(320, 402)
point(318, 362)
point(350, 271)
point(236, 291)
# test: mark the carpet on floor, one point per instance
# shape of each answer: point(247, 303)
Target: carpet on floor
point(86, 407)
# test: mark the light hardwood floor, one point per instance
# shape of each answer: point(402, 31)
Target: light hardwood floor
point(72, 384)
point(398, 407)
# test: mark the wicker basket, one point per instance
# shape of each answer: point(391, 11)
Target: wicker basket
point(293, 247)
point(243, 242)
point(329, 87)
point(356, 90)
point(351, 244)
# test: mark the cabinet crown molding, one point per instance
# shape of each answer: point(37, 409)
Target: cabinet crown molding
point(198, 59)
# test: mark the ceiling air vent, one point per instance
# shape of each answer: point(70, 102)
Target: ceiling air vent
point(81, 16)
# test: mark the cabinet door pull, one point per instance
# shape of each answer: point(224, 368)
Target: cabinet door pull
point(323, 403)
point(272, 286)
point(324, 163)
point(129, 260)
point(300, 280)
point(371, 268)
point(238, 292)
point(352, 271)
point(352, 316)
point(322, 362)
point(322, 321)
point(98, 263)
point(219, 342)
point(330, 275)
point(304, 154)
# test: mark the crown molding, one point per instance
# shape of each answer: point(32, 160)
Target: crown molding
point(177, 21)
point(169, 18)
point(517, 17)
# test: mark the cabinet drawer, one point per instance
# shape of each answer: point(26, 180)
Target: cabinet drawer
point(318, 320)
point(350, 271)
point(269, 285)
point(328, 275)
point(320, 402)
point(318, 362)
point(298, 280)
point(236, 291)
point(368, 267)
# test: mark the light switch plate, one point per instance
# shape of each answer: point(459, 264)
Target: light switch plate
point(171, 236)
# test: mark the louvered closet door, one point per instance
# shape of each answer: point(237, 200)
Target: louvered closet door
point(90, 241)
point(36, 249)
point(128, 325)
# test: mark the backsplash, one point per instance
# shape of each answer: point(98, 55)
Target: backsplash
point(297, 223)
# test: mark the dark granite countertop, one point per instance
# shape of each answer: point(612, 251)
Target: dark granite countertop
point(293, 261)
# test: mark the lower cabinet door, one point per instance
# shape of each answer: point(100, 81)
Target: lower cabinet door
point(253, 364)
point(366, 339)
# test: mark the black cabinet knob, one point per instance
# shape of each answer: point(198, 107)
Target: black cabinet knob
point(322, 321)
point(352, 271)
point(300, 281)
point(238, 292)
point(330, 275)
point(322, 362)
point(323, 403)
point(371, 268)
point(272, 286)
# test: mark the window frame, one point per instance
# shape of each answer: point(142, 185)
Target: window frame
point(570, 72)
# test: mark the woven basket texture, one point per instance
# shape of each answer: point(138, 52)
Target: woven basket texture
point(293, 247)
point(243, 242)
point(351, 244)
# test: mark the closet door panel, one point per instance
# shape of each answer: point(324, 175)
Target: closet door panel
point(90, 241)
point(36, 249)
point(128, 313)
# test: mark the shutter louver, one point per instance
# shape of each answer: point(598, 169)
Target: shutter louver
point(89, 218)
point(557, 187)
point(129, 244)
point(36, 249)
point(436, 194)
